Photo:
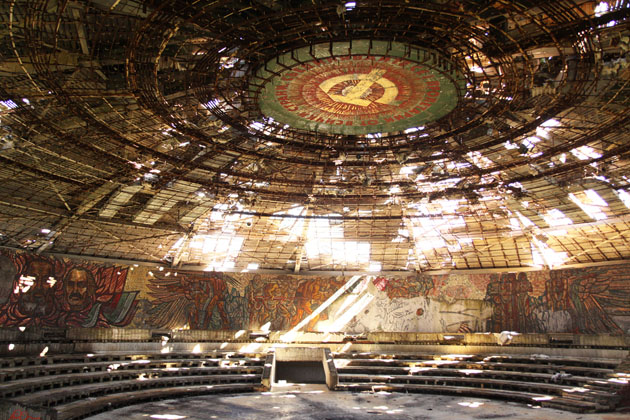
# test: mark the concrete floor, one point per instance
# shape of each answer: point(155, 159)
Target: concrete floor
point(316, 402)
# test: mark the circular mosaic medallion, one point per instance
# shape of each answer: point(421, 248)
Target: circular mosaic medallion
point(373, 87)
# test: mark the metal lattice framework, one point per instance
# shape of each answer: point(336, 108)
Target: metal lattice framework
point(129, 130)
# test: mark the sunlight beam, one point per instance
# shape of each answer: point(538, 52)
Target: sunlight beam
point(290, 335)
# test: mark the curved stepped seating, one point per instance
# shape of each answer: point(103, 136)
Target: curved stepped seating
point(573, 384)
point(66, 367)
point(84, 408)
point(79, 385)
point(6, 362)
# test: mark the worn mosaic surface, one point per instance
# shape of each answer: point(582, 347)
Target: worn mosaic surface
point(46, 291)
point(50, 292)
point(361, 87)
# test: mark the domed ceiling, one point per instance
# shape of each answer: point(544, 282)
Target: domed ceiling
point(317, 135)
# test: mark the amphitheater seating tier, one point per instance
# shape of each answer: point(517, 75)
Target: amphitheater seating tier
point(568, 383)
point(78, 385)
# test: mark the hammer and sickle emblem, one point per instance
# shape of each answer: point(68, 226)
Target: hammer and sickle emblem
point(354, 94)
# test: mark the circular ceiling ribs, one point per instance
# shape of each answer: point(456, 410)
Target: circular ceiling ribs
point(222, 66)
point(170, 91)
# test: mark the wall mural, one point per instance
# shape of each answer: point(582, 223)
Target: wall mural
point(195, 300)
point(199, 300)
point(50, 292)
point(283, 302)
point(45, 291)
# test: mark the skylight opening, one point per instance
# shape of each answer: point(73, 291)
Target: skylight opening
point(601, 8)
point(294, 225)
point(591, 203)
point(624, 196)
point(342, 252)
point(374, 267)
point(454, 247)
point(429, 233)
point(357, 252)
point(525, 222)
point(544, 129)
point(228, 62)
point(214, 103)
point(479, 160)
point(531, 141)
point(407, 170)
point(321, 228)
point(403, 236)
point(457, 165)
point(325, 239)
point(395, 189)
point(555, 217)
point(550, 123)
point(257, 125)
point(8, 104)
point(585, 153)
point(428, 243)
point(220, 213)
point(437, 186)
point(438, 207)
point(465, 241)
point(414, 129)
point(595, 198)
point(219, 251)
point(222, 244)
point(543, 255)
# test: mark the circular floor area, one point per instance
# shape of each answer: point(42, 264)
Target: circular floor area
point(316, 402)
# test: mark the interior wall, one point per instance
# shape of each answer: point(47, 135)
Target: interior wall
point(44, 291)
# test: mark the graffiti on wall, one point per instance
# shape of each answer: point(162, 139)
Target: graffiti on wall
point(11, 410)
point(417, 303)
point(591, 300)
point(51, 292)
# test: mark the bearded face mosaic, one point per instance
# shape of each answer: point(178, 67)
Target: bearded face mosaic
point(45, 291)
point(357, 88)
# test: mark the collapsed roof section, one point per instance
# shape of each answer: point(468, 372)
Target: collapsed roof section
point(130, 129)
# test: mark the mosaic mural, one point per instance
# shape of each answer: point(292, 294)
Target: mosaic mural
point(45, 291)
point(283, 302)
point(50, 292)
point(365, 86)
point(219, 301)
point(195, 300)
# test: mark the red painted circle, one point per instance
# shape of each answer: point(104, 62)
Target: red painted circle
point(357, 90)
